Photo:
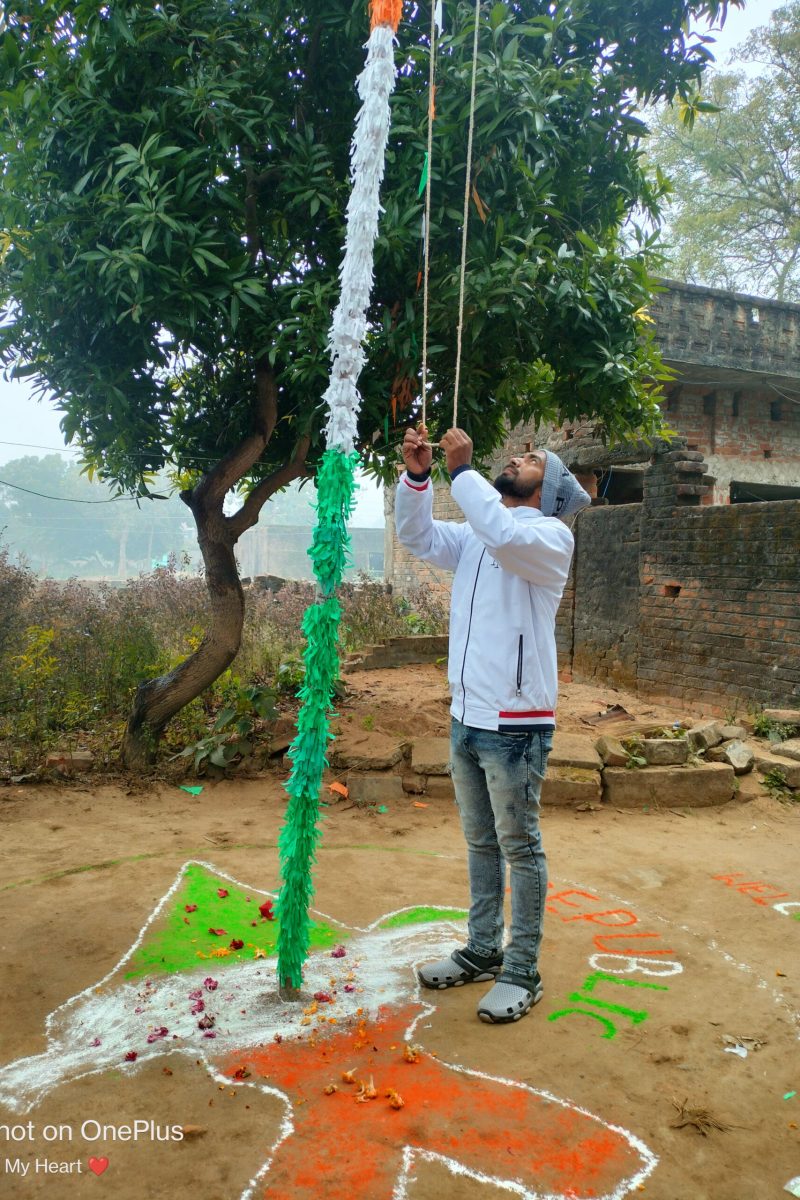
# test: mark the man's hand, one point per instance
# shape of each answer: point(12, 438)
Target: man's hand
point(458, 448)
point(417, 453)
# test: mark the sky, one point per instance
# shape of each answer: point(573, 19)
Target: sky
point(31, 427)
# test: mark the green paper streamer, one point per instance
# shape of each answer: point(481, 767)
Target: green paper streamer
point(297, 842)
point(424, 178)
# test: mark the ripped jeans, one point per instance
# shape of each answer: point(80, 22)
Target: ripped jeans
point(498, 782)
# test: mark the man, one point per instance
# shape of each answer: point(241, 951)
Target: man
point(511, 560)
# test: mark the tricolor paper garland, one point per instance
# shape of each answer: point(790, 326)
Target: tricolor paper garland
point(336, 486)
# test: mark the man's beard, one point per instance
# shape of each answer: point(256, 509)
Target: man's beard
point(509, 485)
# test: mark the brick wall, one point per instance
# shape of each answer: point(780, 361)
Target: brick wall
point(713, 327)
point(606, 602)
point(719, 621)
point(751, 435)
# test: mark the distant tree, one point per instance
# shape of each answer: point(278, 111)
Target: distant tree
point(92, 530)
point(734, 215)
point(175, 179)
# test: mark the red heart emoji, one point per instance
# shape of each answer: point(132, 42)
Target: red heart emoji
point(98, 1165)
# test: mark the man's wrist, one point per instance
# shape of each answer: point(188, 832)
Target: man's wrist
point(418, 478)
point(458, 470)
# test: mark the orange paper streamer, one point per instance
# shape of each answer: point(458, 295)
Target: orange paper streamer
point(385, 12)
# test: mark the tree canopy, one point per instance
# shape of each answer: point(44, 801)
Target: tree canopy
point(734, 216)
point(175, 178)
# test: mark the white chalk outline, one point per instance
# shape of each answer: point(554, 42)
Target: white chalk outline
point(410, 1153)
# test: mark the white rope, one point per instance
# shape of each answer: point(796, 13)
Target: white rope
point(466, 213)
point(427, 218)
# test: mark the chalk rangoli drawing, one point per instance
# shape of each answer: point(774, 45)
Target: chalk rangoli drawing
point(713, 947)
point(190, 986)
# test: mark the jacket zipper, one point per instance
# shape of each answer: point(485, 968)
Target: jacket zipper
point(466, 643)
point(519, 667)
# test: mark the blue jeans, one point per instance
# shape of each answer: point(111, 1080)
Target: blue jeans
point(498, 783)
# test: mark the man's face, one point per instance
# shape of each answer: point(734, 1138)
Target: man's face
point(522, 475)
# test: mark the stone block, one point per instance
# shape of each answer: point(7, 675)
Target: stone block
point(665, 752)
point(574, 750)
point(731, 732)
point(571, 785)
point(611, 751)
point(669, 787)
point(785, 716)
point(739, 755)
point(365, 751)
point(431, 756)
point(70, 761)
point(281, 733)
point(439, 787)
point(766, 762)
point(368, 787)
point(788, 749)
point(413, 784)
point(703, 737)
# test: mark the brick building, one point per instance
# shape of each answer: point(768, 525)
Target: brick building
point(735, 398)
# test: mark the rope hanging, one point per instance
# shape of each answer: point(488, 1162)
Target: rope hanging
point(467, 184)
point(465, 220)
point(427, 218)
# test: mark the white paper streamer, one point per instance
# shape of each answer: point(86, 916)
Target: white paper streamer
point(349, 326)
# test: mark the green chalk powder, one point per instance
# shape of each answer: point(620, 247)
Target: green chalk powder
point(178, 946)
point(416, 916)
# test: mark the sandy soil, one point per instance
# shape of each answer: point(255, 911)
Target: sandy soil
point(671, 941)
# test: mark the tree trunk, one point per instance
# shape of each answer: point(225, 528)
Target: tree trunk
point(157, 701)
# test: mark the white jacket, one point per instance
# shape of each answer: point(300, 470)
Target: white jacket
point(511, 565)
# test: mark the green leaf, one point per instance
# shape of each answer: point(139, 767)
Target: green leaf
point(224, 717)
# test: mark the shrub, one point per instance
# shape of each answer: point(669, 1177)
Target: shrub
point(72, 654)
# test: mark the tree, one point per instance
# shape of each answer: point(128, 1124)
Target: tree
point(175, 182)
point(734, 217)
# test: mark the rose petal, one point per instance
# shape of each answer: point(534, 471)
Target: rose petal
point(210, 984)
point(218, 932)
point(222, 893)
point(131, 1056)
point(190, 907)
point(237, 944)
point(338, 952)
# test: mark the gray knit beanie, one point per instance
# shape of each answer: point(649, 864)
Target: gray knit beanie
point(561, 492)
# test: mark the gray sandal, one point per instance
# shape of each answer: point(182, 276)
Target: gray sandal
point(461, 967)
point(510, 999)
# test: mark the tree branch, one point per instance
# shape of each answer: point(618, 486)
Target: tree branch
point(248, 514)
point(213, 487)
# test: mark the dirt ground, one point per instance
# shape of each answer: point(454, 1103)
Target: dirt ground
point(663, 1060)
